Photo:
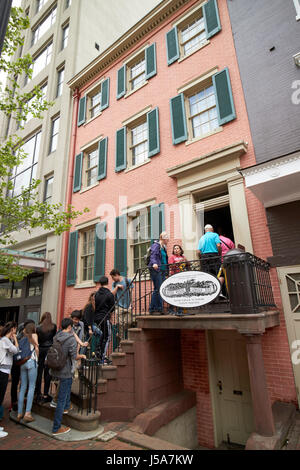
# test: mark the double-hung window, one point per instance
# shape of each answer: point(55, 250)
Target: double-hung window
point(41, 61)
point(60, 81)
point(203, 112)
point(139, 237)
point(87, 254)
point(65, 36)
point(54, 134)
point(48, 189)
point(94, 100)
point(139, 144)
point(39, 5)
point(137, 73)
point(43, 26)
point(91, 167)
point(192, 31)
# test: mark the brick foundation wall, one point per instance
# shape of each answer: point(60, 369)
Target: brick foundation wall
point(196, 379)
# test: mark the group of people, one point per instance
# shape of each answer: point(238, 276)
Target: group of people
point(93, 321)
point(211, 249)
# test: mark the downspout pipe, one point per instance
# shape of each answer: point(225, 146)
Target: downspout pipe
point(66, 235)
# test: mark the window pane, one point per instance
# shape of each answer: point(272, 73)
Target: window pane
point(138, 74)
point(60, 81)
point(43, 27)
point(17, 290)
point(5, 290)
point(49, 189)
point(203, 112)
point(35, 286)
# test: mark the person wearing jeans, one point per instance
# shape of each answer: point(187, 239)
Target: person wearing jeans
point(156, 274)
point(65, 374)
point(28, 374)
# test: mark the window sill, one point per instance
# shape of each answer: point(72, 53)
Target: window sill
point(85, 285)
point(136, 89)
point(196, 50)
point(137, 166)
point(88, 188)
point(91, 119)
point(196, 139)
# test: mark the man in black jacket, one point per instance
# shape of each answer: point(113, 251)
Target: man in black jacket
point(104, 306)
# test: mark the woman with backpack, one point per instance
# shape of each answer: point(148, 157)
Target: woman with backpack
point(46, 332)
point(28, 372)
point(7, 351)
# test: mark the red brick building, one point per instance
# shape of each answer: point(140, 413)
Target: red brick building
point(159, 135)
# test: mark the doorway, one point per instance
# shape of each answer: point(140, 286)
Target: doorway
point(231, 387)
point(220, 219)
point(9, 314)
point(290, 293)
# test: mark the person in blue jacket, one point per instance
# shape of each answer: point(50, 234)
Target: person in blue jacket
point(158, 269)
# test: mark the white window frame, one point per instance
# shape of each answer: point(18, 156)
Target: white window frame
point(60, 84)
point(52, 15)
point(65, 39)
point(183, 21)
point(90, 228)
point(47, 179)
point(52, 135)
point(297, 7)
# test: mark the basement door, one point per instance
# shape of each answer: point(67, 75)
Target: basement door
point(290, 293)
point(233, 387)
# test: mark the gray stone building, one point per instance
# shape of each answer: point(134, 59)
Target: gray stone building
point(64, 36)
point(267, 41)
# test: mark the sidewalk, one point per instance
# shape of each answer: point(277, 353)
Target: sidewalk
point(22, 438)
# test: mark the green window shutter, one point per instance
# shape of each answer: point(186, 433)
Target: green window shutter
point(151, 61)
point(102, 159)
point(81, 111)
point(153, 132)
point(105, 94)
point(72, 259)
point(211, 18)
point(224, 98)
point(172, 45)
point(178, 119)
point(121, 244)
point(77, 173)
point(99, 258)
point(121, 82)
point(157, 220)
point(120, 149)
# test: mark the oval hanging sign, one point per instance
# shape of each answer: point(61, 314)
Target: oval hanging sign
point(190, 289)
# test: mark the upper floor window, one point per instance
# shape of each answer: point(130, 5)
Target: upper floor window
point(202, 112)
point(25, 172)
point(54, 134)
point(39, 5)
point(43, 26)
point(202, 107)
point(192, 36)
point(68, 3)
point(60, 81)
point(65, 36)
point(139, 144)
point(94, 103)
point(91, 170)
point(40, 61)
point(48, 189)
point(30, 104)
point(138, 140)
point(137, 73)
point(192, 31)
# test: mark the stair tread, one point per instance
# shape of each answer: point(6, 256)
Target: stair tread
point(118, 354)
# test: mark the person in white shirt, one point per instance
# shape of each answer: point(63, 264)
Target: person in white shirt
point(7, 351)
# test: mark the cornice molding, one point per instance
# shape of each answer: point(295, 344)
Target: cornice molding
point(270, 165)
point(132, 37)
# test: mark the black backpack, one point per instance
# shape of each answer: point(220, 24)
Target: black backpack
point(56, 359)
point(147, 256)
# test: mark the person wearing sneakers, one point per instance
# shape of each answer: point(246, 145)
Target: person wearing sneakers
point(64, 375)
point(28, 374)
point(7, 350)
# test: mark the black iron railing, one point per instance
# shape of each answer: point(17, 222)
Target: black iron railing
point(246, 289)
point(88, 375)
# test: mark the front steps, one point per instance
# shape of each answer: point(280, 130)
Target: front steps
point(145, 372)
